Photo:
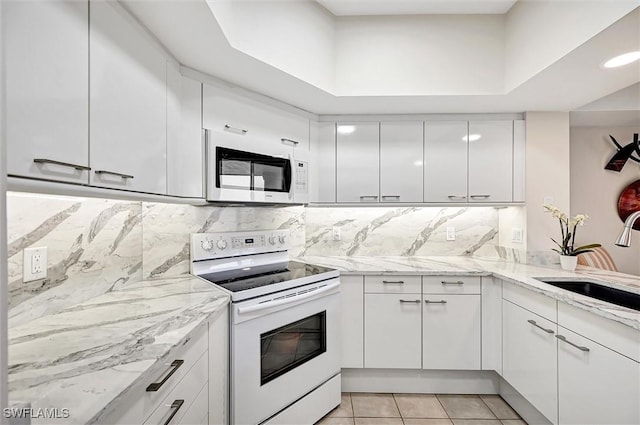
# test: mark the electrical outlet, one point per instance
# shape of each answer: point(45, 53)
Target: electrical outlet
point(451, 233)
point(336, 234)
point(516, 235)
point(34, 264)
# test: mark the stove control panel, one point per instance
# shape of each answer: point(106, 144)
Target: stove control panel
point(205, 246)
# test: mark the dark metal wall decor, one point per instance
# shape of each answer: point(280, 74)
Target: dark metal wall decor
point(629, 202)
point(620, 158)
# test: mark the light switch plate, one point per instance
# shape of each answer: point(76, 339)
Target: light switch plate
point(451, 233)
point(34, 264)
point(336, 234)
point(516, 235)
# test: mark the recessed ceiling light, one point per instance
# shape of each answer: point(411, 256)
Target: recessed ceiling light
point(346, 129)
point(472, 138)
point(622, 60)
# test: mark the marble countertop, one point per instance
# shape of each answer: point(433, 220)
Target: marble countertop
point(520, 274)
point(97, 350)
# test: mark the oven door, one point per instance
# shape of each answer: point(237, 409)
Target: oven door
point(282, 349)
point(246, 175)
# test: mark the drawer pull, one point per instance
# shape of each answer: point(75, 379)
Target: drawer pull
point(480, 196)
point(456, 197)
point(395, 282)
point(113, 173)
point(579, 347)
point(235, 130)
point(435, 302)
point(64, 164)
point(294, 142)
point(391, 196)
point(175, 406)
point(533, 322)
point(410, 301)
point(457, 282)
point(155, 386)
point(368, 196)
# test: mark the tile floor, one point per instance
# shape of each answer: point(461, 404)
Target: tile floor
point(421, 409)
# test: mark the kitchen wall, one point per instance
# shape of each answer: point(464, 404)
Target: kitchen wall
point(406, 231)
point(100, 245)
point(595, 191)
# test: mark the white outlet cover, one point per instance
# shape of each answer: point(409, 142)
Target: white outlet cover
point(516, 235)
point(336, 234)
point(451, 233)
point(34, 264)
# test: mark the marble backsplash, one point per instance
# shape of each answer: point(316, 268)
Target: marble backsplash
point(97, 246)
point(404, 231)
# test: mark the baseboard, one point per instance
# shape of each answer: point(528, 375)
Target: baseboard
point(530, 414)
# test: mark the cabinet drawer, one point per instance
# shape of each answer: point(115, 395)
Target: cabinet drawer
point(537, 303)
point(186, 356)
point(616, 336)
point(198, 413)
point(392, 284)
point(451, 285)
point(179, 400)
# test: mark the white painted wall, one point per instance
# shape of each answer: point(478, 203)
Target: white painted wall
point(416, 55)
point(538, 33)
point(294, 36)
point(547, 165)
point(595, 191)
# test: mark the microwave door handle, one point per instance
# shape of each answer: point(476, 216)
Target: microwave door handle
point(271, 304)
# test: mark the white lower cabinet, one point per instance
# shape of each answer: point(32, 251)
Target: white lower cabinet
point(530, 358)
point(392, 331)
point(451, 332)
point(352, 306)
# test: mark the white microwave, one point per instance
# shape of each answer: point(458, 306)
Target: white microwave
point(238, 174)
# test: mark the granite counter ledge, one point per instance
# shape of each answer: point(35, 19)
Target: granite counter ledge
point(88, 357)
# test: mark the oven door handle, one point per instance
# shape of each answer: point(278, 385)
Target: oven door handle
point(271, 304)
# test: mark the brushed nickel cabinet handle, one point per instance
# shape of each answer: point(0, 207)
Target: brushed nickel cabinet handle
point(235, 130)
point(579, 347)
point(456, 197)
point(113, 173)
point(368, 196)
point(283, 140)
point(457, 282)
point(480, 196)
point(64, 164)
point(391, 196)
point(533, 322)
point(398, 282)
point(410, 301)
point(175, 365)
point(435, 302)
point(175, 406)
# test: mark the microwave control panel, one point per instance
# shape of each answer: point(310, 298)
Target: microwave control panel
point(301, 176)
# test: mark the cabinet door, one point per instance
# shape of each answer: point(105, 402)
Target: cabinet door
point(392, 331)
point(519, 160)
point(490, 161)
point(128, 103)
point(323, 168)
point(530, 358)
point(451, 332)
point(445, 161)
point(596, 385)
point(401, 161)
point(492, 324)
point(46, 81)
point(357, 153)
point(352, 293)
point(185, 145)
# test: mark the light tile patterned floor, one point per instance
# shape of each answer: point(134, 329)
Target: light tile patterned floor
point(421, 409)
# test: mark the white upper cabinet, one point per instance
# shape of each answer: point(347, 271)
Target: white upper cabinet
point(519, 160)
point(185, 144)
point(401, 161)
point(128, 103)
point(323, 161)
point(445, 161)
point(357, 162)
point(47, 101)
point(256, 125)
point(490, 161)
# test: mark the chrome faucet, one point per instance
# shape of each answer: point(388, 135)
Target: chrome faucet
point(625, 236)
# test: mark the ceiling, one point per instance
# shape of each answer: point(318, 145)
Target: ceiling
point(415, 7)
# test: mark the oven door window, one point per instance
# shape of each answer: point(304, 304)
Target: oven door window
point(289, 346)
point(250, 171)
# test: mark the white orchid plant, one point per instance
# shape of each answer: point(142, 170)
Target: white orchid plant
point(568, 228)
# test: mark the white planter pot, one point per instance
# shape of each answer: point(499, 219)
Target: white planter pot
point(568, 262)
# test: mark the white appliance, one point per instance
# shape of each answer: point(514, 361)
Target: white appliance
point(284, 326)
point(253, 171)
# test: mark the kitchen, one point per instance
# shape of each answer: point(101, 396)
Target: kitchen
point(348, 91)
